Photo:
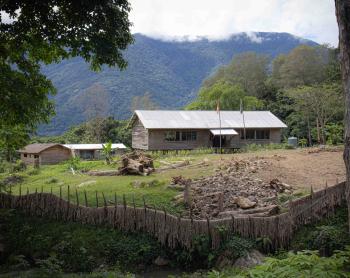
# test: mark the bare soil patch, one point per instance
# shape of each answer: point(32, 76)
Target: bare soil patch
point(252, 183)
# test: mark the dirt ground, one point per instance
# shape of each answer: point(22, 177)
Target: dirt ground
point(302, 168)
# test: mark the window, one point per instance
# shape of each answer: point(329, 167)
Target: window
point(172, 136)
point(249, 134)
point(181, 135)
point(188, 135)
point(262, 134)
point(25, 155)
point(36, 156)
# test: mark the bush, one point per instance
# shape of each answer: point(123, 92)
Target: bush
point(73, 163)
point(326, 237)
point(71, 247)
point(19, 166)
point(33, 172)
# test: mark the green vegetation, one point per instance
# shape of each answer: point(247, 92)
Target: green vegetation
point(56, 247)
point(97, 130)
point(303, 90)
point(153, 188)
point(302, 264)
point(326, 236)
point(37, 34)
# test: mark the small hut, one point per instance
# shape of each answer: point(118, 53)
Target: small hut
point(39, 154)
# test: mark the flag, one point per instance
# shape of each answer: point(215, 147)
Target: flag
point(241, 107)
point(217, 106)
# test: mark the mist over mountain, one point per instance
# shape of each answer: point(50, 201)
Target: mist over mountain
point(169, 71)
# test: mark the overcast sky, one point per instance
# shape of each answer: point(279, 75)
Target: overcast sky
point(311, 19)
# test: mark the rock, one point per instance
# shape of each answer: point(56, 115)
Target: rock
point(253, 258)
point(244, 203)
point(86, 183)
point(223, 261)
point(160, 261)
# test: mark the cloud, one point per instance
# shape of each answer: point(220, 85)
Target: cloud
point(311, 19)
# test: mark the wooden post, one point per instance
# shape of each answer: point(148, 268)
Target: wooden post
point(86, 200)
point(20, 190)
point(10, 189)
point(60, 192)
point(208, 227)
point(96, 199)
point(51, 190)
point(42, 189)
point(77, 196)
point(104, 199)
point(68, 194)
point(124, 201)
point(115, 200)
point(144, 203)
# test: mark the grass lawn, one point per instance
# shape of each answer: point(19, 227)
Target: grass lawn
point(52, 177)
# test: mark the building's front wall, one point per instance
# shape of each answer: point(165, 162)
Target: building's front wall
point(28, 158)
point(139, 136)
point(54, 155)
point(156, 140)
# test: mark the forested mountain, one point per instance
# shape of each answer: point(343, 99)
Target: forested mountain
point(167, 74)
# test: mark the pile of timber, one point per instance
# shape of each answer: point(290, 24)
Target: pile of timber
point(136, 163)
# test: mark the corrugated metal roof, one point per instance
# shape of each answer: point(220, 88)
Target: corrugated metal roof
point(228, 131)
point(161, 119)
point(92, 146)
point(38, 147)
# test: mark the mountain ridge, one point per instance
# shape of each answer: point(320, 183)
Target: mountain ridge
point(170, 71)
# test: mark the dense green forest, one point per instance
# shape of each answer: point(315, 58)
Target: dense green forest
point(303, 88)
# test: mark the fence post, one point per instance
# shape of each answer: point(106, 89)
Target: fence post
point(124, 215)
point(104, 199)
point(68, 204)
point(86, 201)
point(60, 204)
point(115, 210)
point(77, 196)
point(96, 199)
point(20, 196)
point(208, 227)
point(27, 201)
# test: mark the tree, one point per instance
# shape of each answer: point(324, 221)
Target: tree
point(107, 151)
point(11, 139)
point(46, 32)
point(303, 66)
point(228, 95)
point(342, 8)
point(320, 104)
point(249, 70)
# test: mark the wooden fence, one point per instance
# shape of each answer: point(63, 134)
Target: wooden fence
point(175, 231)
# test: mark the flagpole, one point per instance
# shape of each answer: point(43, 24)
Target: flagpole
point(242, 112)
point(220, 131)
point(218, 111)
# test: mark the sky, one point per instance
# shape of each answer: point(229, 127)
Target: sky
point(218, 19)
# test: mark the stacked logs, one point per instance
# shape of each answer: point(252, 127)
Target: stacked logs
point(136, 163)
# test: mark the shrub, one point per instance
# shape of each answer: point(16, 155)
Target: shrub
point(33, 172)
point(19, 166)
point(74, 163)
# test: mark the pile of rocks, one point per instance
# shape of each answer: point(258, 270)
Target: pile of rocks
point(235, 189)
